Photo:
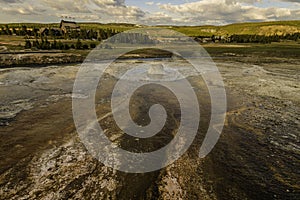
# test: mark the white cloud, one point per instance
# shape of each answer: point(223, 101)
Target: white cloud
point(291, 1)
point(104, 11)
point(149, 3)
point(228, 11)
point(158, 18)
point(115, 11)
point(84, 10)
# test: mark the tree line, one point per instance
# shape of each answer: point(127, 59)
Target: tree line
point(51, 32)
point(103, 34)
point(132, 38)
point(247, 38)
point(45, 44)
point(264, 39)
point(21, 31)
point(88, 34)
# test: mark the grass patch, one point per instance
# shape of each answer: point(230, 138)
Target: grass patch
point(280, 50)
point(259, 28)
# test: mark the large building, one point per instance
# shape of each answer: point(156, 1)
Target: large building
point(68, 26)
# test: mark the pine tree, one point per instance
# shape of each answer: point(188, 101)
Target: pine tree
point(28, 44)
point(78, 44)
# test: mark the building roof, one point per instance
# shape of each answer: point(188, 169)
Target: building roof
point(42, 30)
point(68, 24)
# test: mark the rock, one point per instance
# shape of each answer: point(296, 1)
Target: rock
point(254, 71)
point(3, 49)
point(9, 60)
point(156, 70)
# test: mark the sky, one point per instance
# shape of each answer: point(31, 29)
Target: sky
point(150, 12)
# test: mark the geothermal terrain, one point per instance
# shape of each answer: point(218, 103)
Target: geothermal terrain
point(257, 156)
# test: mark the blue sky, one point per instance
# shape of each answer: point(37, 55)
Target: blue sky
point(150, 12)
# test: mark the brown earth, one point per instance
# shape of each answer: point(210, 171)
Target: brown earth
point(257, 156)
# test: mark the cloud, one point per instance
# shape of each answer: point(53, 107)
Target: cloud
point(227, 11)
point(20, 7)
point(115, 11)
point(291, 1)
point(242, 1)
point(12, 1)
point(149, 3)
point(158, 18)
point(84, 10)
point(104, 11)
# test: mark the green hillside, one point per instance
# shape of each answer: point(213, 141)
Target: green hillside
point(259, 28)
point(119, 27)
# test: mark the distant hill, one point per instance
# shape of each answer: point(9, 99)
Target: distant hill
point(259, 28)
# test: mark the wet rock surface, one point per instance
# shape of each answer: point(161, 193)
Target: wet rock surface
point(38, 58)
point(257, 157)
